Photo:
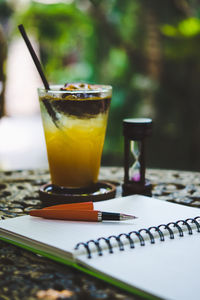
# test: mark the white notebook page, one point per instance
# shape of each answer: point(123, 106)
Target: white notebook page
point(169, 269)
point(66, 234)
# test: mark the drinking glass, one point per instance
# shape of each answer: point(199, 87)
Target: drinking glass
point(75, 124)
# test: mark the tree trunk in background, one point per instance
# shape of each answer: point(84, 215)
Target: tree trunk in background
point(176, 138)
point(2, 69)
point(153, 58)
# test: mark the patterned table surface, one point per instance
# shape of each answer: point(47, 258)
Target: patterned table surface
point(25, 275)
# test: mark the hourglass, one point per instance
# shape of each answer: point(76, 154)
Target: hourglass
point(135, 132)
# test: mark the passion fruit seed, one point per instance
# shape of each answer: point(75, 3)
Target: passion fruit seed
point(76, 86)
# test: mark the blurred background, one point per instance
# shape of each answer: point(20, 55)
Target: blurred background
point(149, 51)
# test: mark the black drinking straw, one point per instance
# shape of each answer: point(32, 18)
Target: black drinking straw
point(34, 56)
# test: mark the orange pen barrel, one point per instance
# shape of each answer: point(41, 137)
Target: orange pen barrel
point(72, 215)
point(73, 206)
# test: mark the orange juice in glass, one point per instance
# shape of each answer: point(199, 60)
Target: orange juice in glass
point(75, 120)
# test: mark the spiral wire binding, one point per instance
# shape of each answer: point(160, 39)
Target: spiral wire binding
point(139, 235)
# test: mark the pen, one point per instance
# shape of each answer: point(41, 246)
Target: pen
point(80, 215)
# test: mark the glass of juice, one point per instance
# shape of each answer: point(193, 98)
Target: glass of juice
point(75, 119)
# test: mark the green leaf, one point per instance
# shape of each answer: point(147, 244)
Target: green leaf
point(169, 30)
point(189, 27)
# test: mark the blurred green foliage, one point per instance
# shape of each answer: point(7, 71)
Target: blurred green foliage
point(147, 50)
point(84, 41)
point(5, 14)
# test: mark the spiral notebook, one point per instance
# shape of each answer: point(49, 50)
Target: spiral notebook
point(155, 256)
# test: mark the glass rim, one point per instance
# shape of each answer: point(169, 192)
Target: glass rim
point(56, 89)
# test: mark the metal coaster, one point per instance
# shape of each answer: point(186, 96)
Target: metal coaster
point(51, 194)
